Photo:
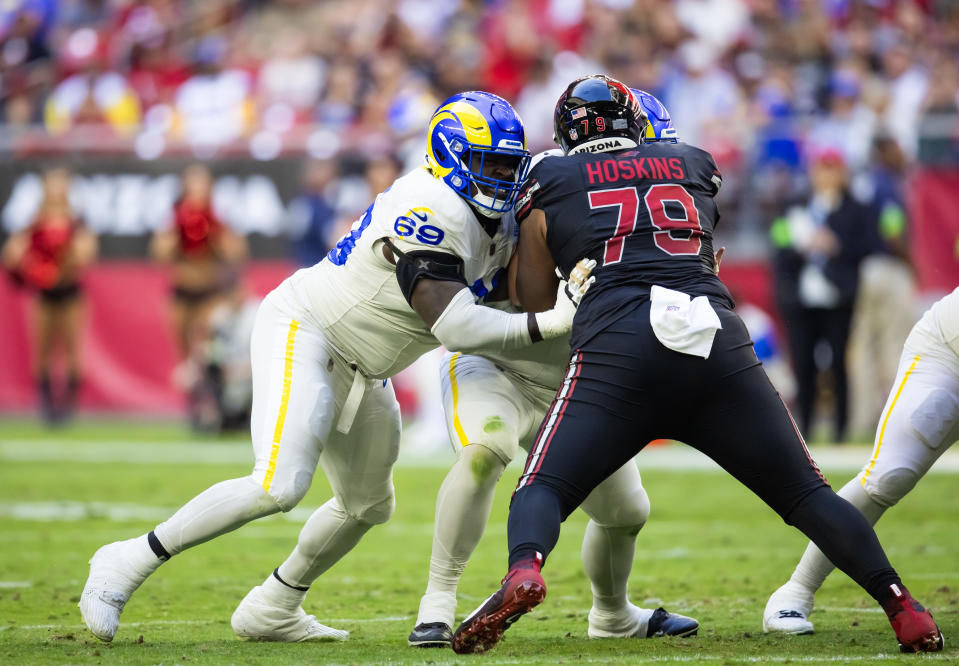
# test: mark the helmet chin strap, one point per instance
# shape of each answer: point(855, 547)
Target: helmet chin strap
point(486, 212)
point(603, 145)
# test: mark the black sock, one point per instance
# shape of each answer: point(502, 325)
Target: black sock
point(889, 594)
point(276, 574)
point(535, 516)
point(162, 554)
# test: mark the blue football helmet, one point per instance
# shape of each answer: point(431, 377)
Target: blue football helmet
point(476, 144)
point(660, 127)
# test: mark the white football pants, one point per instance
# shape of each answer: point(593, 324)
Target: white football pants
point(300, 387)
point(918, 424)
point(490, 413)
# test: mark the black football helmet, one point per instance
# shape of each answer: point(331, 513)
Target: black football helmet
point(597, 107)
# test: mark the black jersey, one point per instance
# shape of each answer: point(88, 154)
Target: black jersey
point(645, 214)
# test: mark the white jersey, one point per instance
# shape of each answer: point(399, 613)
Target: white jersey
point(921, 418)
point(938, 329)
point(353, 294)
point(946, 314)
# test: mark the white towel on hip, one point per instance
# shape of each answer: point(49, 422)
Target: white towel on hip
point(685, 325)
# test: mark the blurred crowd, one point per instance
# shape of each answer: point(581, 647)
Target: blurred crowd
point(816, 110)
point(759, 83)
point(737, 75)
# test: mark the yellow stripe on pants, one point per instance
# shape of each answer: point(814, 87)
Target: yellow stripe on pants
point(284, 404)
point(882, 430)
point(457, 426)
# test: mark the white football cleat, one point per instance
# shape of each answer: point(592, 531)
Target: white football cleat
point(113, 578)
point(259, 618)
point(636, 622)
point(788, 609)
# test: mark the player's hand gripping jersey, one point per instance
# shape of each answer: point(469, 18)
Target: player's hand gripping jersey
point(354, 295)
point(645, 214)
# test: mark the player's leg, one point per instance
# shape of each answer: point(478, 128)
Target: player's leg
point(747, 429)
point(359, 467)
point(618, 508)
point(292, 402)
point(919, 422)
point(587, 434)
point(482, 414)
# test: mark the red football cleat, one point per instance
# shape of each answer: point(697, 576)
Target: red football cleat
point(913, 624)
point(523, 590)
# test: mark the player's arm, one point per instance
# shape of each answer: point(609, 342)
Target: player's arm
point(434, 285)
point(536, 281)
point(707, 171)
point(460, 324)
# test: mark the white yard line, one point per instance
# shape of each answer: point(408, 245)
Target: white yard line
point(11, 584)
point(151, 623)
point(675, 457)
point(348, 620)
point(783, 659)
point(701, 657)
point(136, 453)
point(71, 627)
point(663, 659)
point(693, 659)
point(72, 511)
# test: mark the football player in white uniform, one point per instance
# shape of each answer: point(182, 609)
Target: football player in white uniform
point(494, 404)
point(403, 281)
point(918, 424)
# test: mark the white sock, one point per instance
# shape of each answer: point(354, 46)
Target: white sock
point(608, 560)
point(329, 534)
point(282, 595)
point(141, 557)
point(462, 510)
point(813, 568)
point(628, 619)
point(217, 510)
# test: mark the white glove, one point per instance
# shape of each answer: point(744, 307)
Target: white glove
point(580, 280)
point(718, 259)
point(558, 321)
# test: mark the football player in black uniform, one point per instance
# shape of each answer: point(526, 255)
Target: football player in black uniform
point(657, 353)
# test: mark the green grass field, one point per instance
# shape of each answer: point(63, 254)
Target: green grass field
point(710, 550)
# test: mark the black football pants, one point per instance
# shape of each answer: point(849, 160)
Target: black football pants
point(623, 388)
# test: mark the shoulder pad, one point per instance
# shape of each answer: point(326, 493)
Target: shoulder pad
point(424, 211)
point(539, 157)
